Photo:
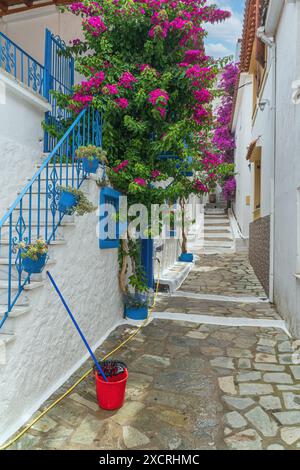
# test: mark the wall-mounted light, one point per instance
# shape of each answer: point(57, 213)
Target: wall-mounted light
point(262, 104)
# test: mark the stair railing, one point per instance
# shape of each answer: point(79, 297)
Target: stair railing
point(19, 64)
point(35, 213)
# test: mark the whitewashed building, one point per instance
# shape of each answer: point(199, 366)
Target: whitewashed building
point(266, 125)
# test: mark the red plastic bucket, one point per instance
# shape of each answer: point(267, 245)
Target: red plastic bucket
point(111, 394)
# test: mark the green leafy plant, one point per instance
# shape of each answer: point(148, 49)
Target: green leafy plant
point(83, 205)
point(147, 73)
point(33, 250)
point(92, 152)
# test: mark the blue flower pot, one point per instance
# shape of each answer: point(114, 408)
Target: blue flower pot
point(136, 313)
point(31, 266)
point(90, 166)
point(172, 233)
point(67, 202)
point(186, 258)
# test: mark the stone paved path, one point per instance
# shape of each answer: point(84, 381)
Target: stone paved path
point(225, 274)
point(191, 386)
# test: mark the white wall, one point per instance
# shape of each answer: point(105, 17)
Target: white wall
point(47, 348)
point(21, 116)
point(242, 128)
point(286, 287)
point(263, 128)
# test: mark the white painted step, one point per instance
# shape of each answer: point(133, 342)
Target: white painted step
point(6, 339)
point(16, 311)
point(219, 244)
point(218, 237)
point(33, 285)
point(9, 324)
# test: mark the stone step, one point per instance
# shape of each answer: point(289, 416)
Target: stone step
point(4, 270)
point(219, 244)
point(6, 339)
point(42, 214)
point(216, 222)
point(14, 289)
point(9, 324)
point(217, 230)
point(34, 226)
point(4, 246)
point(33, 285)
point(217, 238)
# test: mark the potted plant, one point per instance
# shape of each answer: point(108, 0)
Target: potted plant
point(74, 201)
point(34, 256)
point(136, 306)
point(91, 157)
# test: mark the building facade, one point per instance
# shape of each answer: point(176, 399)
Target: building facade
point(265, 122)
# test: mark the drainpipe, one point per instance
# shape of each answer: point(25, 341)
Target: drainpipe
point(270, 42)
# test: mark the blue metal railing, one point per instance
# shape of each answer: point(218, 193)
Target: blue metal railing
point(59, 73)
point(24, 68)
point(35, 213)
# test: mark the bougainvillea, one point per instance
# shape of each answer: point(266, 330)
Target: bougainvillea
point(223, 138)
point(147, 72)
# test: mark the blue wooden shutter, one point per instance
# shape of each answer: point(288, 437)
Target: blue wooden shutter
point(111, 197)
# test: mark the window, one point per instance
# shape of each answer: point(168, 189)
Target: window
point(109, 230)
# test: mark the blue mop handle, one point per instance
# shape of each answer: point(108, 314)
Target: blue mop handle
point(77, 326)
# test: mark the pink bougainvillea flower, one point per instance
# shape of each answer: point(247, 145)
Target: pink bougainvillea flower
point(126, 80)
point(202, 96)
point(158, 96)
point(140, 181)
point(95, 26)
point(121, 166)
point(122, 102)
point(110, 89)
point(155, 174)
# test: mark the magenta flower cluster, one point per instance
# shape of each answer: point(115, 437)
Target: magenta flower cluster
point(159, 99)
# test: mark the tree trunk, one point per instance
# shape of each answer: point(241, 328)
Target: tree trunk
point(184, 237)
point(122, 273)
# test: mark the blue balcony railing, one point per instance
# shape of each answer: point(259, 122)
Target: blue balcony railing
point(35, 213)
point(24, 68)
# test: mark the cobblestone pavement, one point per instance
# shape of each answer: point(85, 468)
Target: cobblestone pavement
point(225, 274)
point(261, 310)
point(191, 386)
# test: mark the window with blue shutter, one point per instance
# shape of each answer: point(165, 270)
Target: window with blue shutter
point(109, 233)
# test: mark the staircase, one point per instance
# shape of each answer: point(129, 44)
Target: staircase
point(35, 214)
point(218, 236)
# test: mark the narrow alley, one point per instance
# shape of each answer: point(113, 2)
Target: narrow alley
point(213, 369)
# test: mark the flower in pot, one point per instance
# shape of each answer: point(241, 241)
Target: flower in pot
point(74, 201)
point(91, 157)
point(34, 256)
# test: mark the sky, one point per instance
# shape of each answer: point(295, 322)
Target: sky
point(222, 37)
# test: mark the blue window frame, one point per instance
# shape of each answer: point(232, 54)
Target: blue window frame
point(109, 207)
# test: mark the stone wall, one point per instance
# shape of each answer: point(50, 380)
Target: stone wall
point(259, 250)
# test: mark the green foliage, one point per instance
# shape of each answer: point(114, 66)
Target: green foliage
point(33, 250)
point(90, 152)
point(83, 205)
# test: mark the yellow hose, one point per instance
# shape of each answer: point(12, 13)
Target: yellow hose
point(43, 413)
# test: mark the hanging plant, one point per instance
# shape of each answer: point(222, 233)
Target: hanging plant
point(91, 156)
point(34, 256)
point(74, 201)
